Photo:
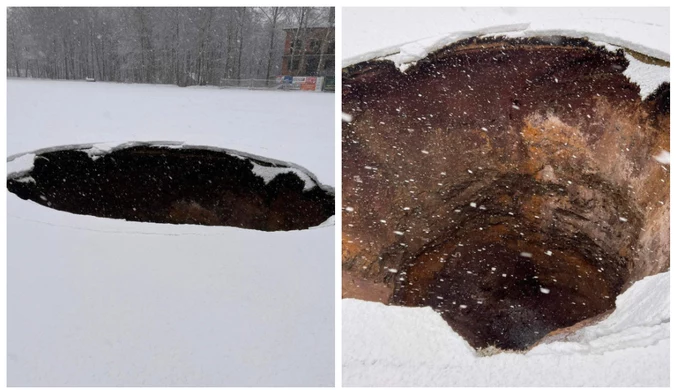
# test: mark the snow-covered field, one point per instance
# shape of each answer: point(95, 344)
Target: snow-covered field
point(101, 302)
point(397, 346)
point(287, 126)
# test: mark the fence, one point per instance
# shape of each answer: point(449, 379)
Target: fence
point(250, 83)
point(302, 83)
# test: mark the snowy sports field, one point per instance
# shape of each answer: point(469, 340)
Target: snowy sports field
point(402, 346)
point(102, 302)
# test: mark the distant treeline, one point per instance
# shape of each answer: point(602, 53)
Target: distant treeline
point(183, 46)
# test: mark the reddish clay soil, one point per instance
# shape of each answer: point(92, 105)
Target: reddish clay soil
point(507, 183)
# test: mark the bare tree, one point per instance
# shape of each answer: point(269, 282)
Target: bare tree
point(326, 41)
point(273, 15)
point(297, 44)
point(182, 46)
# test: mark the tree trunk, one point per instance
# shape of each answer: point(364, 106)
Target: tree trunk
point(325, 43)
point(65, 59)
point(294, 46)
point(241, 42)
point(177, 42)
point(303, 43)
point(273, 20)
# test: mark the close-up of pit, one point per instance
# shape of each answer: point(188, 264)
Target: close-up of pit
point(508, 183)
point(174, 185)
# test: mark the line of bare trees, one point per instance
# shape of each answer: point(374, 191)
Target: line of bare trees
point(183, 46)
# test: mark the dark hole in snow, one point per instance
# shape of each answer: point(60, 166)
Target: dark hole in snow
point(177, 186)
point(518, 223)
point(519, 278)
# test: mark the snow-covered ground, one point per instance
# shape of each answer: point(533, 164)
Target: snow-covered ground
point(398, 346)
point(377, 32)
point(288, 126)
point(402, 346)
point(94, 302)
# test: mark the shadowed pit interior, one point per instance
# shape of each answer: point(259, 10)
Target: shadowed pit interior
point(173, 185)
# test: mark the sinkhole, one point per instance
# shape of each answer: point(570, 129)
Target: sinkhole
point(508, 183)
point(175, 185)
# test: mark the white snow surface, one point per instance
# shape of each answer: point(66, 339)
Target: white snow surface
point(295, 127)
point(402, 346)
point(102, 302)
point(21, 163)
point(647, 76)
point(414, 32)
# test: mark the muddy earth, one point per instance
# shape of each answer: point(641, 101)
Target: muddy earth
point(509, 184)
point(173, 185)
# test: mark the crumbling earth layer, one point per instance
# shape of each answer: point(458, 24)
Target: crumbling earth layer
point(174, 185)
point(509, 184)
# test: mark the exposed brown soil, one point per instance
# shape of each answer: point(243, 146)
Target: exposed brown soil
point(507, 183)
point(168, 185)
point(360, 288)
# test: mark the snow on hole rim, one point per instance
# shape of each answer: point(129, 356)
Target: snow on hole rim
point(172, 183)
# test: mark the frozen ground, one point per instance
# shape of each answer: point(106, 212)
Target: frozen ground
point(101, 302)
point(402, 346)
point(397, 346)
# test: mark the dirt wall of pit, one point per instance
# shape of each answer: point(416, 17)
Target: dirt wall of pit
point(505, 146)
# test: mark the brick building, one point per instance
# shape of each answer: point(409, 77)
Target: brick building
point(312, 54)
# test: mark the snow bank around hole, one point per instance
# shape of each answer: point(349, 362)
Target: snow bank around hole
point(640, 320)
point(601, 32)
point(401, 346)
point(647, 76)
point(379, 32)
point(408, 54)
point(97, 150)
point(20, 164)
point(269, 173)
